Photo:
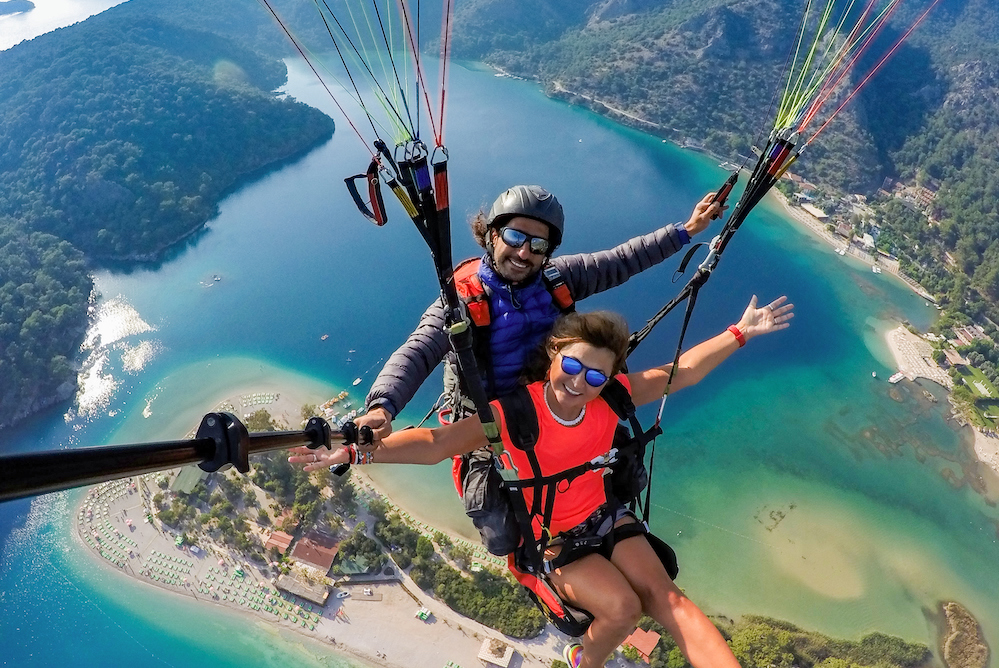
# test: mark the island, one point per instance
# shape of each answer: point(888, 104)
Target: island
point(15, 6)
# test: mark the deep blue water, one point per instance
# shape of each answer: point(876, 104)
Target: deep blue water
point(793, 423)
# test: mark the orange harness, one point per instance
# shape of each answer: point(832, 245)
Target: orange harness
point(471, 291)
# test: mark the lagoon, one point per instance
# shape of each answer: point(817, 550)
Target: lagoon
point(47, 15)
point(790, 483)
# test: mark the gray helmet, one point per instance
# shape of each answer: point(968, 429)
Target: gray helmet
point(532, 202)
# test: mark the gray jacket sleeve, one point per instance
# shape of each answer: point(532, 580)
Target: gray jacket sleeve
point(412, 363)
point(589, 273)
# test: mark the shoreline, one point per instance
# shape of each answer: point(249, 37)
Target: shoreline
point(392, 636)
point(112, 524)
point(913, 358)
point(819, 229)
point(602, 108)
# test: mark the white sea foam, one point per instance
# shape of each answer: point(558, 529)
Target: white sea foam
point(135, 358)
point(115, 329)
point(116, 319)
point(96, 386)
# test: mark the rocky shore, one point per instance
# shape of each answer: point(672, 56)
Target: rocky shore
point(963, 646)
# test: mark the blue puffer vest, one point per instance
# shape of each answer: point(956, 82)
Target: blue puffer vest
point(521, 318)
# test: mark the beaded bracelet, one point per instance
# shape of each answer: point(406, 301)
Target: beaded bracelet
point(360, 457)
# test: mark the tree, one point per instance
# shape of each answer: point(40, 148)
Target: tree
point(260, 420)
point(424, 548)
point(763, 646)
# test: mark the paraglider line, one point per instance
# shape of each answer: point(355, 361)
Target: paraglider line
point(874, 70)
point(363, 63)
point(298, 48)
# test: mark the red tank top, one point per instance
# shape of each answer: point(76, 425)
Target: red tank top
point(560, 448)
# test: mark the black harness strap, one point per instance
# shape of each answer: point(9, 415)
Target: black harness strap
point(521, 420)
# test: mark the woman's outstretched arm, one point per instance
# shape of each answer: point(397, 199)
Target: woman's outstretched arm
point(408, 446)
point(648, 386)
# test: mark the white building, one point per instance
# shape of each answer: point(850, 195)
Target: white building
point(815, 211)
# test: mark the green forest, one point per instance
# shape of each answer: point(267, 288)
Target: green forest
point(763, 642)
point(124, 153)
point(119, 137)
point(705, 70)
point(44, 297)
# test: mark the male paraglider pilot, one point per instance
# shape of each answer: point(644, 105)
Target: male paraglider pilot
point(514, 294)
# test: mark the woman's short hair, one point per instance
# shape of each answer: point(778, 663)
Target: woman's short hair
point(603, 329)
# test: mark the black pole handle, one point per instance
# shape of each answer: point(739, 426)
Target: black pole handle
point(351, 433)
point(221, 440)
point(725, 191)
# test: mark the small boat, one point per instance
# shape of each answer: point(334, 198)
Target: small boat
point(841, 251)
point(876, 269)
point(895, 377)
point(324, 337)
point(874, 374)
point(357, 381)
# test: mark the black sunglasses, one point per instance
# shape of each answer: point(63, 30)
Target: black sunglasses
point(516, 239)
point(594, 377)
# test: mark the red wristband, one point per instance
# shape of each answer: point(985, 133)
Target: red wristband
point(737, 333)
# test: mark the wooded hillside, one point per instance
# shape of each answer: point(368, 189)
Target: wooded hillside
point(118, 137)
point(706, 70)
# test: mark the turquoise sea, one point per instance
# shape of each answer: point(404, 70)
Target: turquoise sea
point(791, 483)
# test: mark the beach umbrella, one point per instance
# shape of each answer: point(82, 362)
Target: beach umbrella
point(221, 562)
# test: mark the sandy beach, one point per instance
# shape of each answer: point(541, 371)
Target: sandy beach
point(913, 356)
point(987, 449)
point(819, 229)
point(380, 628)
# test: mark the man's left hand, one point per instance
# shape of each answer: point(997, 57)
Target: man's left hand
point(704, 212)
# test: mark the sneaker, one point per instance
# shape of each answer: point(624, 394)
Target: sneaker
point(573, 654)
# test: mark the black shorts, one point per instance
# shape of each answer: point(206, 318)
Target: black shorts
point(598, 535)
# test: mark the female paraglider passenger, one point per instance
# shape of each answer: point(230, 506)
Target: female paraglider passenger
point(577, 425)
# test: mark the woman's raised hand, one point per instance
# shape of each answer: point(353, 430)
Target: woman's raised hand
point(315, 460)
point(765, 319)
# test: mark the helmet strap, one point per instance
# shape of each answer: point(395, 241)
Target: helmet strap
point(490, 246)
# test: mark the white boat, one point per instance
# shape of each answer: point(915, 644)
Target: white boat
point(874, 374)
point(895, 377)
point(357, 381)
point(841, 251)
point(876, 269)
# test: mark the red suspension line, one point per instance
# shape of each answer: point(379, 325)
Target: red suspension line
point(316, 72)
point(829, 86)
point(415, 48)
point(446, 28)
point(875, 70)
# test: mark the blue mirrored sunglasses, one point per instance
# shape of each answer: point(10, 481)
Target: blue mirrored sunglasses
point(516, 239)
point(573, 366)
